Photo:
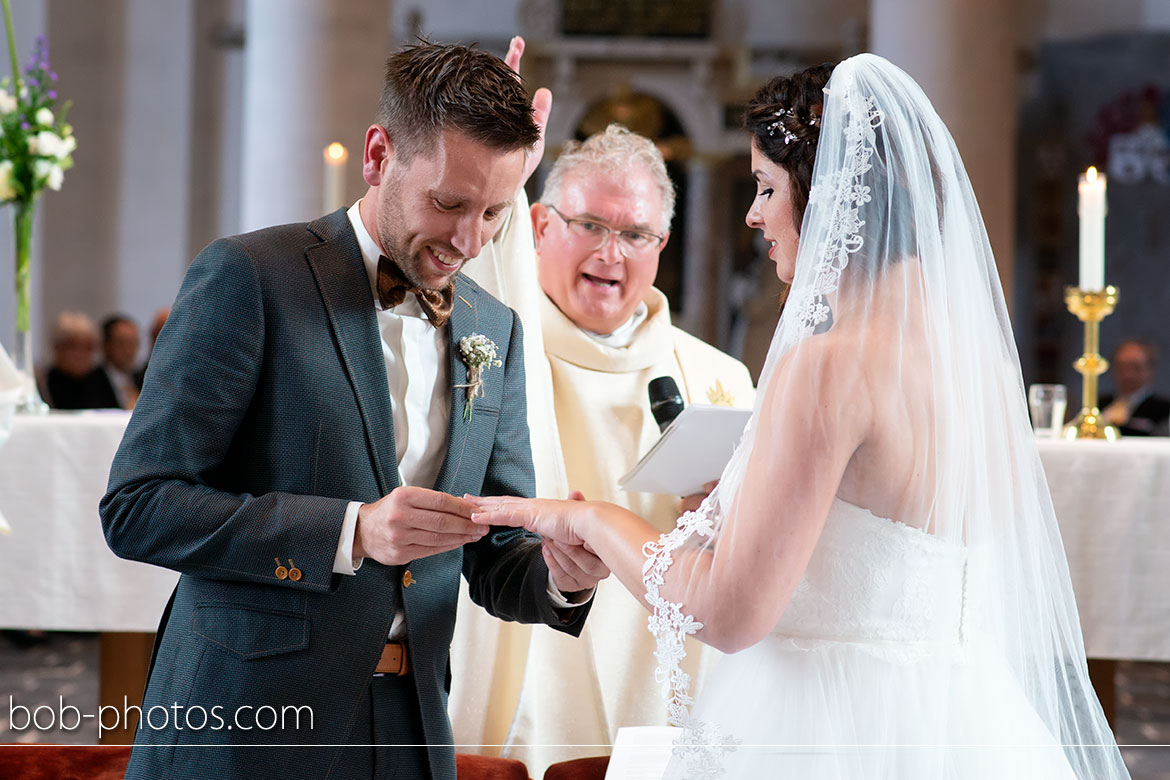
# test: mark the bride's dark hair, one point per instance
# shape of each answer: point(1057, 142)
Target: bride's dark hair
point(784, 118)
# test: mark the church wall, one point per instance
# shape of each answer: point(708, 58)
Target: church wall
point(158, 99)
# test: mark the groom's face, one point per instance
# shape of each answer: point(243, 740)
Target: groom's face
point(436, 210)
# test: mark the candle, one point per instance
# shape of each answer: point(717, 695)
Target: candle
point(1091, 208)
point(334, 192)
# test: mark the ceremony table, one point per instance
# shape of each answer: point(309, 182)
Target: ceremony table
point(56, 572)
point(1112, 502)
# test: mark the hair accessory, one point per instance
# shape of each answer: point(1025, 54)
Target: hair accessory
point(788, 114)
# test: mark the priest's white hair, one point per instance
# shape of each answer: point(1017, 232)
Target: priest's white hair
point(614, 151)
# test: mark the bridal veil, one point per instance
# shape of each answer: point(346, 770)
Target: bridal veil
point(892, 388)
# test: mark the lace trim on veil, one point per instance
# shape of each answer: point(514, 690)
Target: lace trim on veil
point(843, 237)
point(701, 745)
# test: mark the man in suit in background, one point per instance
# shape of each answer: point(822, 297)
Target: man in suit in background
point(120, 350)
point(309, 390)
point(1136, 411)
point(156, 325)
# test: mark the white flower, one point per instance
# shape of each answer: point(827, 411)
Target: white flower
point(7, 102)
point(7, 191)
point(478, 353)
point(44, 117)
point(48, 144)
point(49, 172)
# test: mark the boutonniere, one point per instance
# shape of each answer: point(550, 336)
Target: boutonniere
point(478, 353)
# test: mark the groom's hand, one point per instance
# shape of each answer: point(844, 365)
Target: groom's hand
point(413, 522)
point(574, 569)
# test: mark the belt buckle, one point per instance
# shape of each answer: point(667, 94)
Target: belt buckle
point(394, 660)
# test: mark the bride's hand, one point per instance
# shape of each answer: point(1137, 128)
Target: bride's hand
point(552, 520)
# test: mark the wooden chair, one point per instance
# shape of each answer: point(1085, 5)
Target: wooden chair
point(592, 768)
point(63, 762)
point(472, 767)
point(101, 762)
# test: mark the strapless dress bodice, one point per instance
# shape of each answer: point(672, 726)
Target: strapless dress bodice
point(873, 580)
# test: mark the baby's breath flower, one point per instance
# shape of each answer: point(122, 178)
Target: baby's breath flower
point(478, 353)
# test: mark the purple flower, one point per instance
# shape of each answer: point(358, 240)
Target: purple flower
point(53, 76)
point(52, 94)
point(32, 82)
point(25, 126)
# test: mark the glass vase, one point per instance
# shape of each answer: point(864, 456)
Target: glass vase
point(30, 402)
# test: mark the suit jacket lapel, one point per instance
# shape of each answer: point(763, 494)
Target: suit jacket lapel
point(341, 277)
point(464, 321)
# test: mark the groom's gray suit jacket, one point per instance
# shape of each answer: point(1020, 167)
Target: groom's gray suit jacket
point(265, 410)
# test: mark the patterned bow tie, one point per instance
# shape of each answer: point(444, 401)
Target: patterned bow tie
point(393, 287)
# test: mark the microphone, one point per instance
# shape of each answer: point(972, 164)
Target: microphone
point(666, 401)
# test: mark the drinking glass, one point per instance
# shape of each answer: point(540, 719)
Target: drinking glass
point(1047, 404)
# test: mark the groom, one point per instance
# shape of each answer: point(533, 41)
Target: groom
point(308, 391)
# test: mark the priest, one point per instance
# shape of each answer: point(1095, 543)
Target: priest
point(598, 230)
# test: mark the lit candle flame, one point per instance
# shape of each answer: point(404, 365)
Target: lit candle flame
point(1090, 175)
point(336, 151)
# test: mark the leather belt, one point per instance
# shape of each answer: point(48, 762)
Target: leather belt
point(394, 660)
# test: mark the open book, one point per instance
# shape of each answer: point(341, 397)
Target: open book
point(693, 450)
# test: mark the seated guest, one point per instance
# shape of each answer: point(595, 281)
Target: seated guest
point(1136, 411)
point(74, 381)
point(120, 347)
point(156, 326)
point(599, 228)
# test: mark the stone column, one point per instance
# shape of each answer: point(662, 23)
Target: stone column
point(700, 277)
point(155, 160)
point(963, 54)
point(115, 236)
point(1157, 15)
point(312, 75)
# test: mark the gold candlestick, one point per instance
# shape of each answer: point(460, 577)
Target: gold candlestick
point(1090, 307)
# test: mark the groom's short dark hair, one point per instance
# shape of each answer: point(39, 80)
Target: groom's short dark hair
point(431, 87)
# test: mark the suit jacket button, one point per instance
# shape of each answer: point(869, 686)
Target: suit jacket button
point(281, 573)
point(407, 579)
point(294, 574)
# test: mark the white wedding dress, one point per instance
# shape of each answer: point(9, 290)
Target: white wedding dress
point(854, 661)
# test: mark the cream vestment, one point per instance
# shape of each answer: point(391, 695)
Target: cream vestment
point(521, 688)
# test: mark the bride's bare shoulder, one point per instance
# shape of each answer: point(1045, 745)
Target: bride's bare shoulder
point(827, 371)
point(835, 357)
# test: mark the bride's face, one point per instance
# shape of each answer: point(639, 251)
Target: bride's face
point(771, 212)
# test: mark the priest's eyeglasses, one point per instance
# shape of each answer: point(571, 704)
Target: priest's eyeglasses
point(593, 235)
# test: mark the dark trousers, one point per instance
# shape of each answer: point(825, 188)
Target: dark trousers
point(387, 740)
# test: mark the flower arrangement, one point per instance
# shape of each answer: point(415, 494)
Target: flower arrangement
point(478, 353)
point(36, 148)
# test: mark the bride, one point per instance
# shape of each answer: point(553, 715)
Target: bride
point(881, 558)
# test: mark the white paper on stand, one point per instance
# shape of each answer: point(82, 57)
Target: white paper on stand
point(641, 752)
point(693, 451)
